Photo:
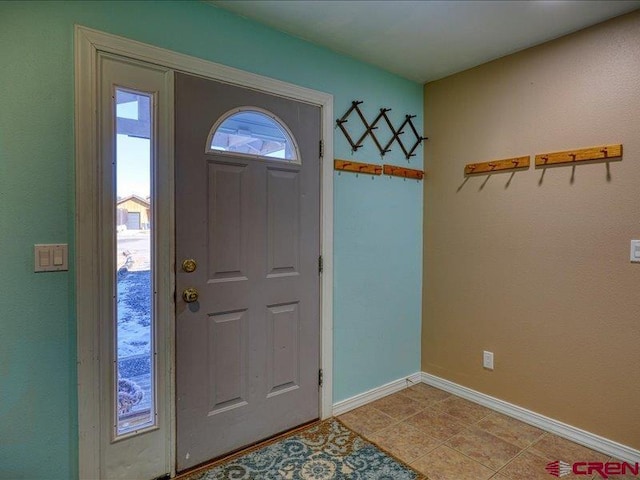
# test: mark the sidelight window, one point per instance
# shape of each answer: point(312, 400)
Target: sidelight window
point(134, 267)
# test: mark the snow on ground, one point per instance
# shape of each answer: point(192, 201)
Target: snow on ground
point(134, 313)
point(134, 296)
point(134, 293)
point(134, 341)
point(135, 244)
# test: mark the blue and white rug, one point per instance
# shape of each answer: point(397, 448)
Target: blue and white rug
point(326, 451)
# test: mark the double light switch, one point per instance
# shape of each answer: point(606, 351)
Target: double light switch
point(51, 257)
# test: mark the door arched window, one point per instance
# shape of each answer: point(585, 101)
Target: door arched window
point(254, 132)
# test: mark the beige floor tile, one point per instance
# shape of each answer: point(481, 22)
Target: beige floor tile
point(509, 429)
point(464, 410)
point(404, 441)
point(445, 463)
point(425, 394)
point(483, 447)
point(436, 424)
point(479, 443)
point(552, 447)
point(398, 406)
point(366, 420)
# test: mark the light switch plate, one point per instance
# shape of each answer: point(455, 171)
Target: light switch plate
point(635, 251)
point(51, 257)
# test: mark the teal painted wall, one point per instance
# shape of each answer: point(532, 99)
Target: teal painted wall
point(378, 223)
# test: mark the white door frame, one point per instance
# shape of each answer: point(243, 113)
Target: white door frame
point(88, 43)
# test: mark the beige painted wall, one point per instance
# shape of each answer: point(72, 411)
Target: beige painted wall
point(535, 266)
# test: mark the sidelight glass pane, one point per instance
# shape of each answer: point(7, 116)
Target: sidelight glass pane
point(252, 132)
point(134, 318)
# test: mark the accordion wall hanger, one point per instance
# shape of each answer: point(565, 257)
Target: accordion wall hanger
point(370, 128)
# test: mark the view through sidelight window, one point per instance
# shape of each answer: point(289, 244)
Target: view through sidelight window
point(133, 269)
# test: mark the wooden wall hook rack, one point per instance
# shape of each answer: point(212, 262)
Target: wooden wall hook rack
point(604, 152)
point(357, 167)
point(516, 163)
point(403, 172)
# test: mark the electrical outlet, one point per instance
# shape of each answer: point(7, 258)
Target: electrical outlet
point(635, 251)
point(487, 360)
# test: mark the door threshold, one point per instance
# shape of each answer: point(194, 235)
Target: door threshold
point(244, 450)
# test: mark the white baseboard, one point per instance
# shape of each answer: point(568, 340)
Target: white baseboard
point(369, 396)
point(588, 439)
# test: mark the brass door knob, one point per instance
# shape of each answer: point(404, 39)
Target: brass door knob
point(189, 265)
point(190, 295)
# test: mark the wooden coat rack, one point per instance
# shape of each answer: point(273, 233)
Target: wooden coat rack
point(516, 163)
point(357, 167)
point(373, 169)
point(605, 152)
point(403, 172)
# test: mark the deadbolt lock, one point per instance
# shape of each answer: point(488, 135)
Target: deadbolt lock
point(189, 265)
point(190, 295)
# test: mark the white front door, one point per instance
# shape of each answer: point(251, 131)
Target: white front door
point(248, 220)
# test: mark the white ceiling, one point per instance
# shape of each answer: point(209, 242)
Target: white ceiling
point(426, 40)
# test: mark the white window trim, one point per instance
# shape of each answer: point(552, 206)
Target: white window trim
point(88, 43)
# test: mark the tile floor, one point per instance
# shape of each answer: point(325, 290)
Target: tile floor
point(449, 438)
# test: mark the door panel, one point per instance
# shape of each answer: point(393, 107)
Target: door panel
point(247, 352)
point(283, 342)
point(283, 222)
point(227, 351)
point(228, 222)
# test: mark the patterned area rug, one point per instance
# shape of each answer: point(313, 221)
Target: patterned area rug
point(325, 451)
